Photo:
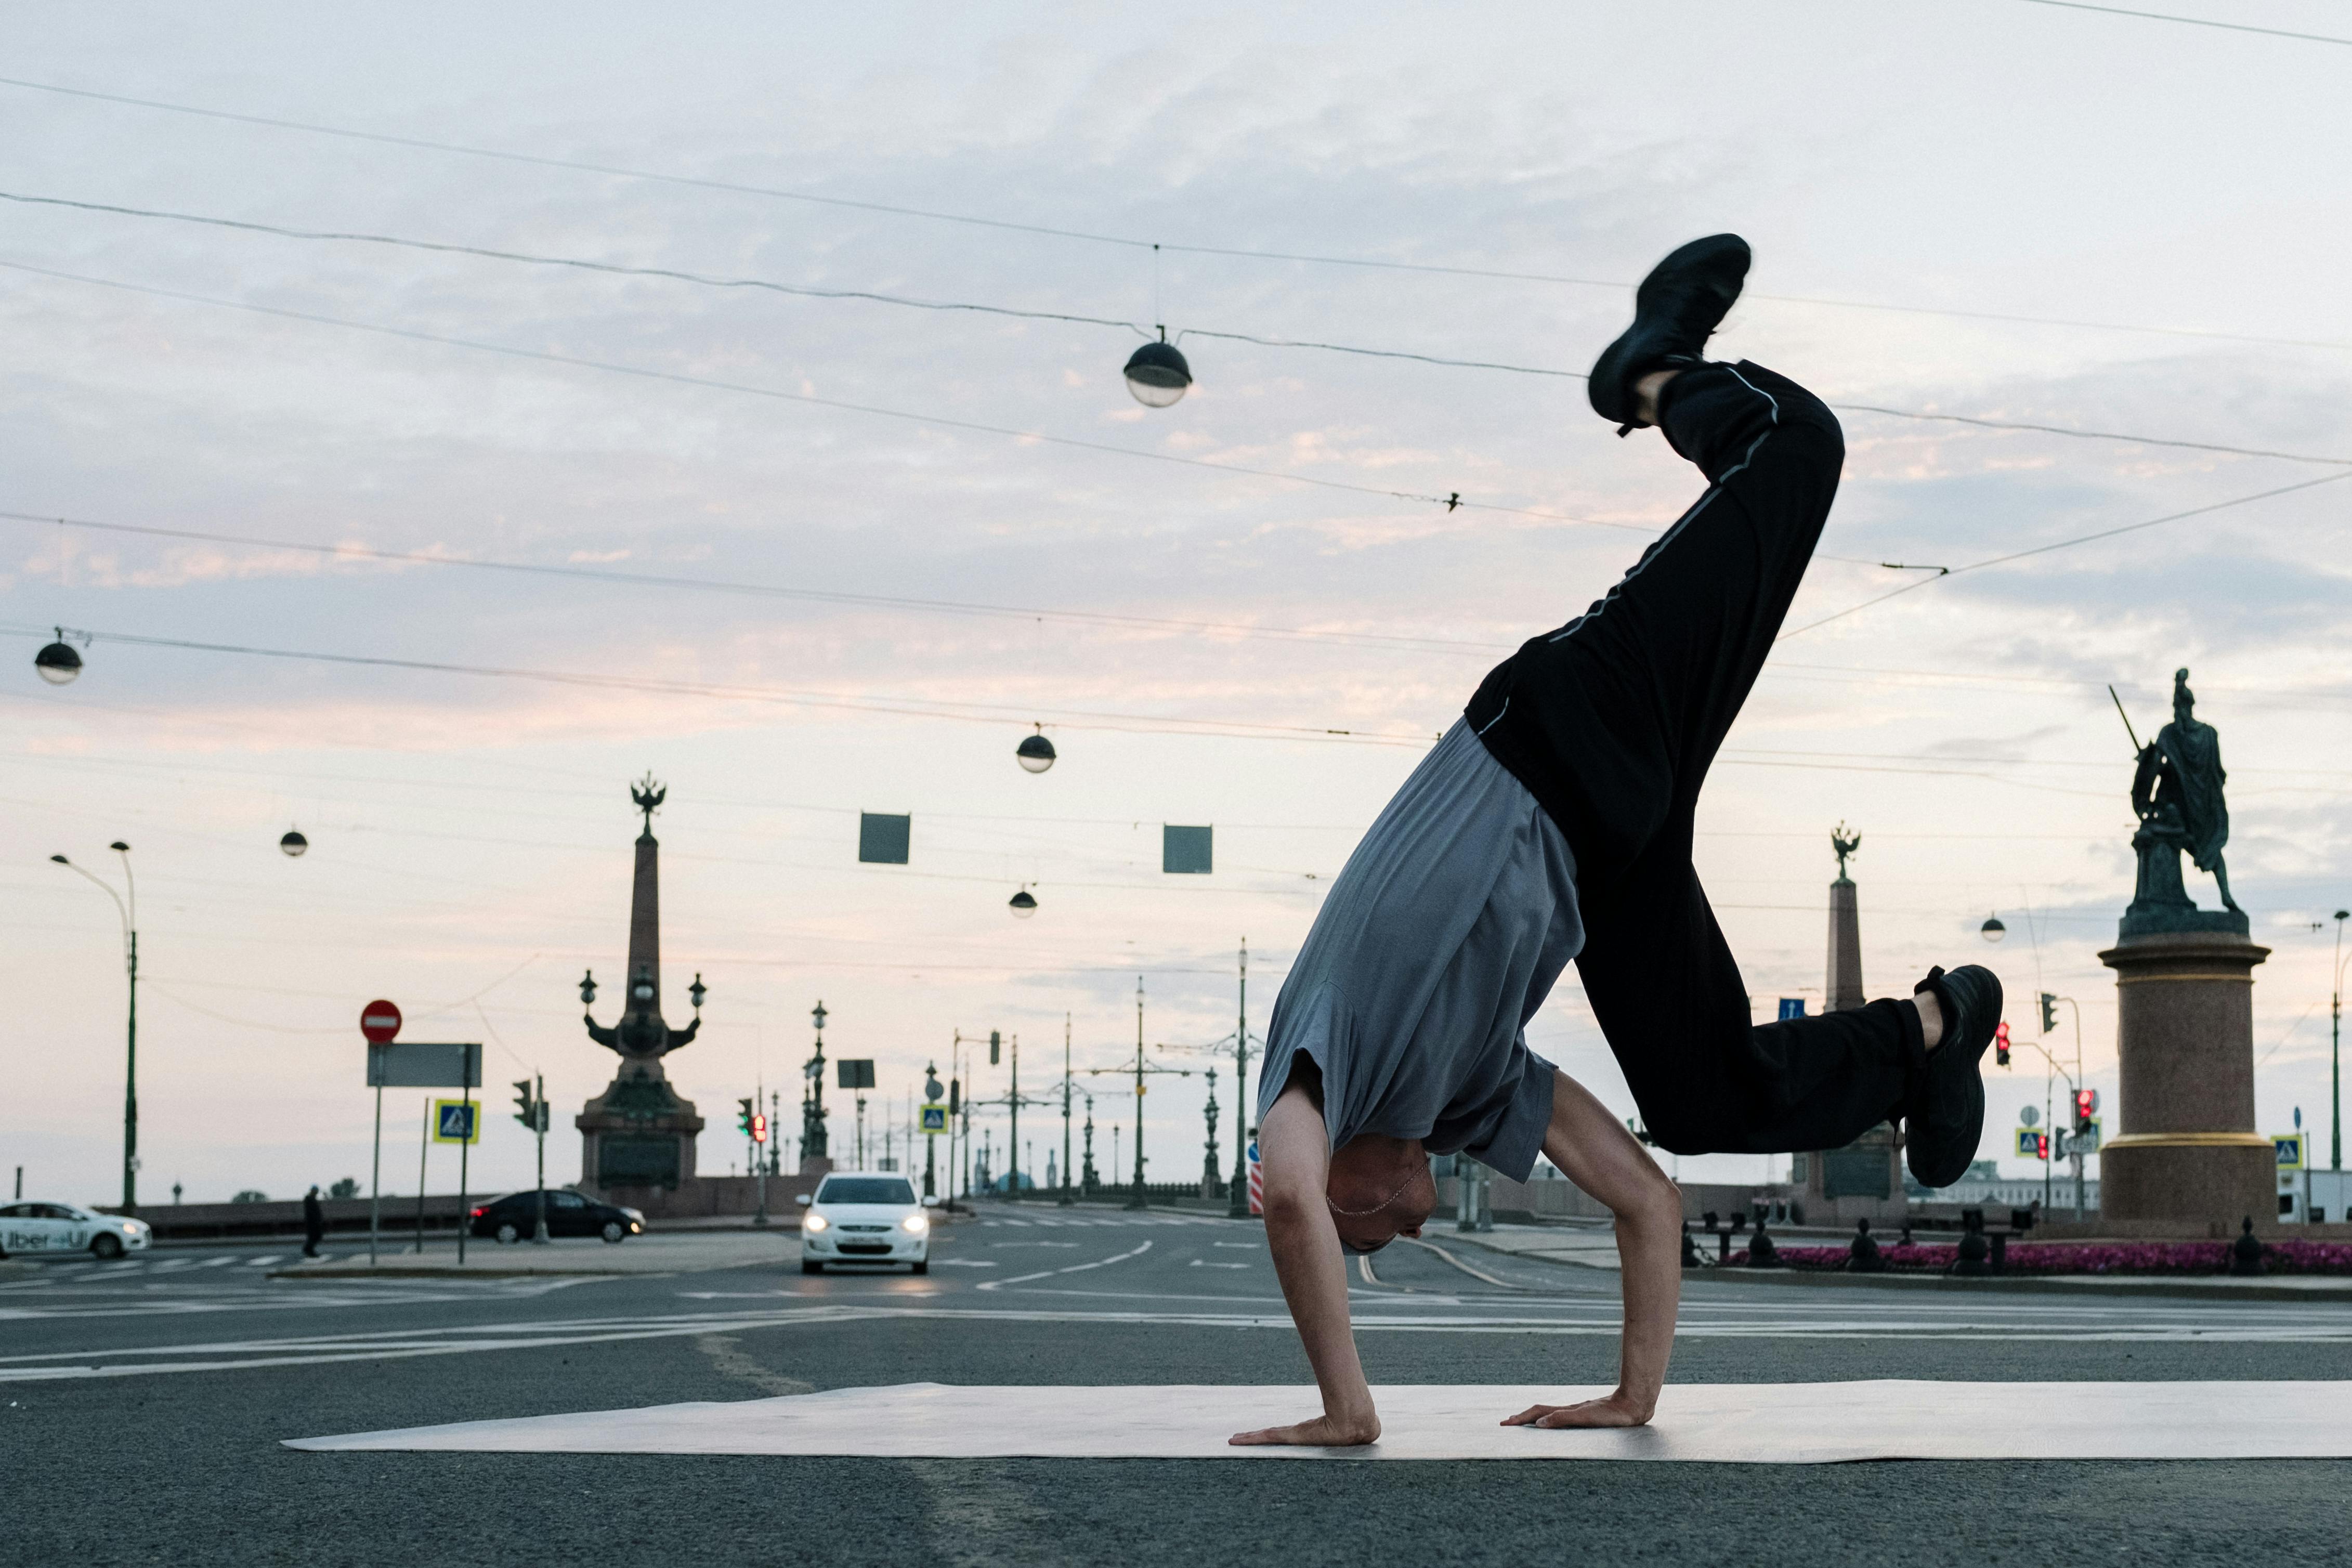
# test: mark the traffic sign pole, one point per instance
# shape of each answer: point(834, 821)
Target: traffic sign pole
point(464, 1220)
point(379, 1023)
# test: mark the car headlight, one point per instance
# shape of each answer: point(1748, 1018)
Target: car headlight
point(131, 1227)
point(814, 1223)
point(916, 1222)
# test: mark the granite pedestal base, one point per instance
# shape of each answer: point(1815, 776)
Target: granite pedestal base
point(2188, 1157)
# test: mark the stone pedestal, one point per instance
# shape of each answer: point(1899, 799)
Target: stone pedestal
point(637, 1136)
point(2190, 1157)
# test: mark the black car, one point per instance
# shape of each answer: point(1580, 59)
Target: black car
point(515, 1218)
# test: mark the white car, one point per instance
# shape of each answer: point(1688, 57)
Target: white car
point(866, 1217)
point(68, 1227)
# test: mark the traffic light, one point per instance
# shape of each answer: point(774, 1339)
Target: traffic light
point(2000, 1043)
point(759, 1128)
point(994, 1041)
point(2041, 1146)
point(2086, 1105)
point(743, 1117)
point(955, 1096)
point(2048, 1012)
point(526, 1110)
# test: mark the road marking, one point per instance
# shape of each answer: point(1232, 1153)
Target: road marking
point(303, 1351)
point(1204, 1263)
point(963, 1263)
point(1474, 1273)
point(1073, 1268)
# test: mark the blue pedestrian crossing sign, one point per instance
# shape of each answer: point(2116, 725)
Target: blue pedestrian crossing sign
point(2288, 1147)
point(456, 1121)
point(935, 1119)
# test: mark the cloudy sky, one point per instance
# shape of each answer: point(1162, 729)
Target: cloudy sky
point(891, 539)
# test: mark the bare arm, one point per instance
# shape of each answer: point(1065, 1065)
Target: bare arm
point(1593, 1150)
point(1296, 1155)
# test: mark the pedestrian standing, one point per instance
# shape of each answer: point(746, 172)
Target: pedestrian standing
point(314, 1222)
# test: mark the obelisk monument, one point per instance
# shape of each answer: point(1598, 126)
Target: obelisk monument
point(637, 1137)
point(1864, 1179)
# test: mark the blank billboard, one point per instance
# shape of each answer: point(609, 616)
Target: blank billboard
point(1185, 850)
point(882, 839)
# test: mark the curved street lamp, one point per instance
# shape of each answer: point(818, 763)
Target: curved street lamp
point(129, 913)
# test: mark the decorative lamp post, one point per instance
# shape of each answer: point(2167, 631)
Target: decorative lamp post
point(129, 913)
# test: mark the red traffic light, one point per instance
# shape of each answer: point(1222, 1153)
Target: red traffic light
point(2000, 1043)
point(2086, 1104)
point(758, 1129)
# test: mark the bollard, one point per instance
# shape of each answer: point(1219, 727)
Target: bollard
point(2246, 1253)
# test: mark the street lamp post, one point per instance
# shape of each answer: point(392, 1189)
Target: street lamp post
point(1066, 1199)
point(2336, 1053)
point(129, 913)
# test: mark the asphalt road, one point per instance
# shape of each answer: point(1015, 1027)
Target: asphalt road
point(144, 1403)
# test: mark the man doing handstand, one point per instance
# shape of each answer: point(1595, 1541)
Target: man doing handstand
point(1554, 822)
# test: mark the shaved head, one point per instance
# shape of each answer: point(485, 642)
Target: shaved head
point(1380, 1188)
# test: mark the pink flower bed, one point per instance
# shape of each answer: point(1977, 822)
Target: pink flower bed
point(2104, 1258)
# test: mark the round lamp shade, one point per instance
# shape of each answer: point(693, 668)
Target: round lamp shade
point(1158, 375)
point(58, 663)
point(293, 844)
point(1993, 929)
point(1037, 752)
point(1021, 905)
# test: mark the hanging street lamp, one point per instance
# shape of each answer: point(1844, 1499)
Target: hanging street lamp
point(293, 844)
point(59, 663)
point(1035, 752)
point(1157, 374)
point(1021, 905)
point(1993, 929)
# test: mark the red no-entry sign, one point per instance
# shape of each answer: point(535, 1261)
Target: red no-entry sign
point(379, 1021)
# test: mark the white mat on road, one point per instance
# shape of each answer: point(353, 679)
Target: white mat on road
point(1753, 1422)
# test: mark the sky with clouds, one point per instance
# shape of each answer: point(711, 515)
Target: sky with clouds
point(893, 539)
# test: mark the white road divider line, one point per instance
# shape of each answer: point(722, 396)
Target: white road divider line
point(1073, 1268)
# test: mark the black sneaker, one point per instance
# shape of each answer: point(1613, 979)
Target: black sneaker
point(1675, 310)
point(1943, 1118)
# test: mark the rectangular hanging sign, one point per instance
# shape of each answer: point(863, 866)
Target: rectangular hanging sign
point(425, 1064)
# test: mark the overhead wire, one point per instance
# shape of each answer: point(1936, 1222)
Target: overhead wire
point(764, 590)
point(2192, 21)
point(680, 378)
point(991, 713)
point(2064, 544)
point(1051, 231)
point(875, 297)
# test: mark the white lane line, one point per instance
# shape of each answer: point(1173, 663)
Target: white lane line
point(1466, 1268)
point(1073, 1268)
point(299, 1352)
point(216, 1262)
point(264, 1260)
point(1204, 1263)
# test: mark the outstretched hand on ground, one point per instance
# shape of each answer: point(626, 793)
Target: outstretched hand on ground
point(1615, 1410)
point(1323, 1431)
